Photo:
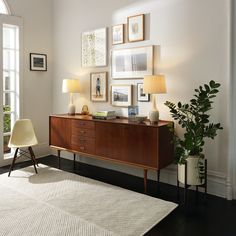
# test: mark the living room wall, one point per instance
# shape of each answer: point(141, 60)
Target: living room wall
point(192, 41)
point(36, 92)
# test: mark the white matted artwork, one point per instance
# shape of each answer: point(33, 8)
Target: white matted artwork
point(121, 95)
point(98, 87)
point(118, 34)
point(136, 28)
point(94, 48)
point(132, 63)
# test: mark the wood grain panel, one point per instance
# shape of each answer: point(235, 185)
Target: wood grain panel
point(83, 132)
point(60, 132)
point(83, 124)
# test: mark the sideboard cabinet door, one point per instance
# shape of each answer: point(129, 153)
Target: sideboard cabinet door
point(60, 132)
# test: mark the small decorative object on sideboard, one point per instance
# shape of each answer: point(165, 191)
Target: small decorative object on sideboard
point(38, 62)
point(136, 28)
point(194, 117)
point(154, 84)
point(71, 86)
point(85, 110)
point(132, 112)
point(104, 115)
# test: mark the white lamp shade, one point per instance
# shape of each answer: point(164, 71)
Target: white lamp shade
point(70, 86)
point(154, 84)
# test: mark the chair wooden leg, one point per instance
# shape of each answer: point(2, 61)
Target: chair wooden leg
point(13, 162)
point(32, 158)
point(32, 154)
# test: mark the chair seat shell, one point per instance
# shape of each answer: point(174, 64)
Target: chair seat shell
point(23, 134)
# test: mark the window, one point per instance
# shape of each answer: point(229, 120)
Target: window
point(10, 81)
point(4, 8)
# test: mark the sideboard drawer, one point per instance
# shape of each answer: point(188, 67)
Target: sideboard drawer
point(80, 132)
point(77, 124)
point(81, 141)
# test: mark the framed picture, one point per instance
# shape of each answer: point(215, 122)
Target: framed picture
point(132, 63)
point(132, 111)
point(94, 48)
point(98, 87)
point(38, 62)
point(121, 95)
point(142, 97)
point(118, 34)
point(135, 28)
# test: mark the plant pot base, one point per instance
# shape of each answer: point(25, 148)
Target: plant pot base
point(186, 185)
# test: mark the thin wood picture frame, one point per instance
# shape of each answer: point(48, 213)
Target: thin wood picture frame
point(98, 86)
point(132, 63)
point(118, 34)
point(136, 28)
point(38, 62)
point(121, 95)
point(94, 47)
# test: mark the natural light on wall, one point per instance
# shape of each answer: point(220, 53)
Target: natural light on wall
point(3, 7)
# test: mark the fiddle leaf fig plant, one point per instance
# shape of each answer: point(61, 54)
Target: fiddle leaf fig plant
point(194, 117)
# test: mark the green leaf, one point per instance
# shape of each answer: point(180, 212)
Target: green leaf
point(214, 91)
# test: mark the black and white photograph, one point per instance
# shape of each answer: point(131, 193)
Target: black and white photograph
point(121, 95)
point(132, 63)
point(38, 62)
point(98, 87)
point(141, 96)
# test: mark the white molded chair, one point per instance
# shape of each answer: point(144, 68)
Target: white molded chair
point(23, 136)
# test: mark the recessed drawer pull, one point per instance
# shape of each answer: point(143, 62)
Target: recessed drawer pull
point(82, 131)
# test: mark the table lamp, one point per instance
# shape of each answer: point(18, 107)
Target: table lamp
point(154, 84)
point(71, 86)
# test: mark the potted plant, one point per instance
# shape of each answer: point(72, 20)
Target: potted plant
point(194, 118)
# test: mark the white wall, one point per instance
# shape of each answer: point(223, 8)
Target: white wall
point(194, 46)
point(37, 86)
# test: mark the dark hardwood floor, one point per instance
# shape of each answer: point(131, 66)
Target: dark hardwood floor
point(215, 217)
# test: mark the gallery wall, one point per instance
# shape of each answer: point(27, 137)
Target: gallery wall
point(37, 86)
point(192, 47)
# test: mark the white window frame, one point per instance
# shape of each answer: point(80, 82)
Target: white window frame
point(10, 20)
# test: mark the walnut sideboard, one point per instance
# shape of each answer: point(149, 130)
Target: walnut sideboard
point(143, 145)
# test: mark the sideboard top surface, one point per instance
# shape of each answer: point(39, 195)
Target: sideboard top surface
point(117, 120)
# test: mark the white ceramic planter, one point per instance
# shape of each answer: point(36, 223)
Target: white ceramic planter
point(192, 172)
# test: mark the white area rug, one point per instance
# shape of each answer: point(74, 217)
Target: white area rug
point(56, 202)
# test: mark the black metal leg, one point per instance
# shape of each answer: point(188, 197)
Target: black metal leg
point(197, 194)
point(158, 176)
point(74, 160)
point(205, 180)
point(177, 185)
point(59, 158)
point(13, 162)
point(32, 158)
point(185, 185)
